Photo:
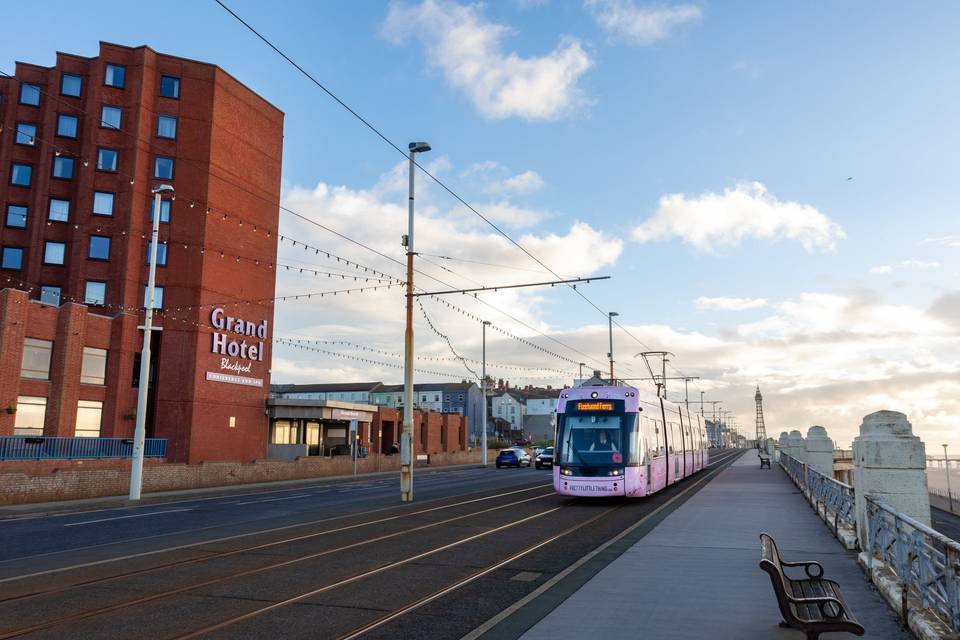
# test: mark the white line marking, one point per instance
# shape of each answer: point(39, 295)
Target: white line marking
point(135, 515)
point(302, 495)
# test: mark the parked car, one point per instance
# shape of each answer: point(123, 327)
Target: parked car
point(545, 458)
point(511, 458)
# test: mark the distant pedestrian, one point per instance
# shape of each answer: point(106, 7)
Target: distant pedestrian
point(394, 448)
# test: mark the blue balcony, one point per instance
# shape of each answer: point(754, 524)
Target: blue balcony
point(58, 448)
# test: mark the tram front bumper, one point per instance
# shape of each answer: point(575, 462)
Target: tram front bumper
point(592, 487)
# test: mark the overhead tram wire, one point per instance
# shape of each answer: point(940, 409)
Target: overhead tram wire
point(426, 172)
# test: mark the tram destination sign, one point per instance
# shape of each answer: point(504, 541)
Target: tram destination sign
point(594, 406)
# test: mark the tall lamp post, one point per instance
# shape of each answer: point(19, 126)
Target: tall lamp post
point(406, 439)
point(946, 463)
point(610, 317)
point(140, 431)
point(581, 372)
point(483, 391)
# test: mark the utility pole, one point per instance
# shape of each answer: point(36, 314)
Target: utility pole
point(686, 392)
point(406, 440)
point(581, 372)
point(661, 380)
point(701, 403)
point(483, 390)
point(946, 463)
point(610, 317)
point(140, 430)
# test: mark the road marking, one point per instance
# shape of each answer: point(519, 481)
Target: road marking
point(301, 495)
point(190, 545)
point(135, 515)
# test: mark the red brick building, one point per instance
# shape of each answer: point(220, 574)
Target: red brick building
point(82, 144)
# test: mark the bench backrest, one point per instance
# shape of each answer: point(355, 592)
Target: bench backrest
point(770, 562)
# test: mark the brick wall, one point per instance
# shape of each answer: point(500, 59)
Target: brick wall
point(23, 482)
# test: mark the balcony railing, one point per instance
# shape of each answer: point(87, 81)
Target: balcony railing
point(63, 448)
point(926, 562)
point(835, 497)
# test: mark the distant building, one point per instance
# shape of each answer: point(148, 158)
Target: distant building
point(509, 405)
point(344, 392)
point(540, 422)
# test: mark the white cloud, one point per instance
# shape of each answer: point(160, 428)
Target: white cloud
point(711, 220)
point(904, 264)
point(948, 241)
point(492, 177)
point(625, 21)
point(469, 51)
point(704, 303)
point(520, 184)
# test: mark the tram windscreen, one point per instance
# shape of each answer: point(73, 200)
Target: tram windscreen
point(592, 440)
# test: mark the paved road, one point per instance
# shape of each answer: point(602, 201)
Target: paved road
point(335, 561)
point(946, 523)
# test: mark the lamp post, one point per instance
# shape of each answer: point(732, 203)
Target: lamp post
point(140, 431)
point(701, 403)
point(406, 439)
point(610, 317)
point(483, 390)
point(581, 372)
point(946, 463)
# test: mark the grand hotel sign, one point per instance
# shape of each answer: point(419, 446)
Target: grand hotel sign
point(239, 343)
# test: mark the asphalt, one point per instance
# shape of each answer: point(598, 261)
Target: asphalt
point(696, 573)
point(338, 560)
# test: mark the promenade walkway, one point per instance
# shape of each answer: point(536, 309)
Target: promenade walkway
point(696, 574)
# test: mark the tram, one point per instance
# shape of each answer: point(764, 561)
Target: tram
point(619, 441)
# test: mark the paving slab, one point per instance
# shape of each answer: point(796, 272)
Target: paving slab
point(697, 574)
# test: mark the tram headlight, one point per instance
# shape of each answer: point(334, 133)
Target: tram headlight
point(565, 472)
point(614, 472)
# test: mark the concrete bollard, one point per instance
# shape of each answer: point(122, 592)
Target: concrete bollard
point(771, 447)
point(784, 443)
point(820, 451)
point(798, 449)
point(889, 463)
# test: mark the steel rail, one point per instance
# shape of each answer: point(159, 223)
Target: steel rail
point(13, 633)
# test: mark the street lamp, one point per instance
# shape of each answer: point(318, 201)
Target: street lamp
point(140, 431)
point(406, 439)
point(610, 317)
point(581, 372)
point(483, 390)
point(946, 463)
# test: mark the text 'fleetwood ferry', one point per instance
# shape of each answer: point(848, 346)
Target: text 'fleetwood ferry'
point(619, 441)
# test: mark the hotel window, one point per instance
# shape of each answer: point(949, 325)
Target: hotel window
point(169, 86)
point(99, 248)
point(54, 252)
point(110, 117)
point(26, 134)
point(31, 413)
point(30, 94)
point(16, 216)
point(95, 293)
point(36, 359)
point(63, 168)
point(94, 367)
point(114, 76)
point(67, 125)
point(59, 210)
point(50, 295)
point(70, 85)
point(12, 258)
point(103, 203)
point(164, 210)
point(161, 254)
point(89, 414)
point(283, 433)
point(167, 127)
point(107, 159)
point(163, 168)
point(21, 175)
point(157, 297)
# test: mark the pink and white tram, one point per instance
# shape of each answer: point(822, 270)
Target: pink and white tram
point(619, 441)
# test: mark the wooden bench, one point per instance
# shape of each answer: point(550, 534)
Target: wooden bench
point(813, 605)
point(764, 459)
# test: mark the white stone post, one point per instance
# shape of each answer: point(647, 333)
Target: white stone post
point(771, 447)
point(820, 451)
point(889, 463)
point(798, 448)
point(784, 443)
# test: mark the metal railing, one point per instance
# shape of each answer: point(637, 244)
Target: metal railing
point(836, 497)
point(65, 448)
point(926, 562)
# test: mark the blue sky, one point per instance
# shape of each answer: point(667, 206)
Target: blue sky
point(681, 99)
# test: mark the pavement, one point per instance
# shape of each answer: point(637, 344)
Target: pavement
point(696, 574)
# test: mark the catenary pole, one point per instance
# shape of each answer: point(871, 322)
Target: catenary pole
point(140, 431)
point(483, 392)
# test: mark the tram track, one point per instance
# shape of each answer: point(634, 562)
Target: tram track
point(378, 569)
point(220, 579)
